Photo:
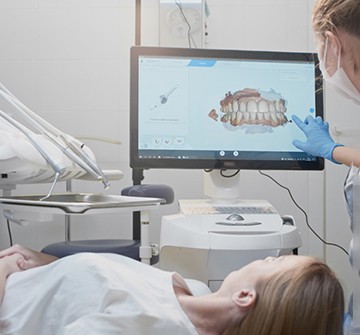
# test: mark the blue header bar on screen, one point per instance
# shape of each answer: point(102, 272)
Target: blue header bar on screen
point(202, 62)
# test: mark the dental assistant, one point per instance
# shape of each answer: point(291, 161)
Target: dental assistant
point(336, 24)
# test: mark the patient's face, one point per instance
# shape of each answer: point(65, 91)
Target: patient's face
point(248, 275)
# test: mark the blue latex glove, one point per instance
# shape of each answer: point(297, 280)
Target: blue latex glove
point(319, 142)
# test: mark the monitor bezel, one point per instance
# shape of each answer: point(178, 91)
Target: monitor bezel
point(154, 163)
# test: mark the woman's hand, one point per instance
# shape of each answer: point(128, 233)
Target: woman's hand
point(9, 264)
point(318, 142)
point(30, 258)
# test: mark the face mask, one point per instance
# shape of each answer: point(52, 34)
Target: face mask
point(340, 79)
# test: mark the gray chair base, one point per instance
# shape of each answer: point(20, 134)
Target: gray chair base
point(128, 248)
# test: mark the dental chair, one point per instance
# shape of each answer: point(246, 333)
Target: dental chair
point(125, 247)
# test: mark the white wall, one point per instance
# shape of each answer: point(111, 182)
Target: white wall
point(69, 61)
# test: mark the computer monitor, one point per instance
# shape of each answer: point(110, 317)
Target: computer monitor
point(221, 109)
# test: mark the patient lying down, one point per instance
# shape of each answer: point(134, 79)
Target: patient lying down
point(111, 294)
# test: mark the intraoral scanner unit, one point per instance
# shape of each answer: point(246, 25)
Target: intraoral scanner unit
point(207, 242)
point(212, 237)
point(224, 111)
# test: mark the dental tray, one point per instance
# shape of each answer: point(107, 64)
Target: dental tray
point(78, 203)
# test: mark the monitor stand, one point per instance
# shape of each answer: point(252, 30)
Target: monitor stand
point(222, 187)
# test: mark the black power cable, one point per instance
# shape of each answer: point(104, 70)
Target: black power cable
point(305, 214)
point(9, 232)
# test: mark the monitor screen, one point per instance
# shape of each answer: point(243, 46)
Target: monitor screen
point(221, 109)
